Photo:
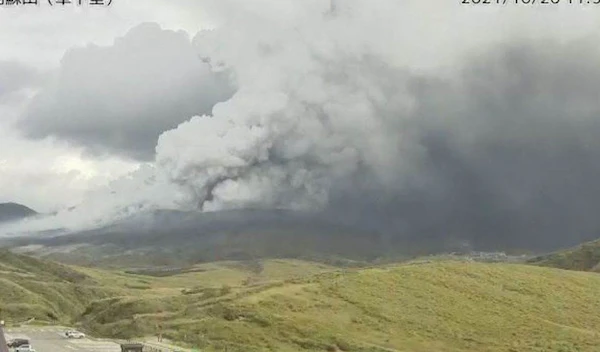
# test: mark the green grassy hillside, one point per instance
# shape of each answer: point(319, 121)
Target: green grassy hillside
point(437, 306)
point(585, 257)
point(292, 305)
point(44, 290)
point(58, 293)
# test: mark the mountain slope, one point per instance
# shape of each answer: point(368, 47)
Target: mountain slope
point(585, 257)
point(47, 291)
point(181, 238)
point(13, 211)
point(437, 306)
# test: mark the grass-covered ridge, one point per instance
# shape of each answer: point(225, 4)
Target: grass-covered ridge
point(44, 290)
point(437, 306)
point(292, 305)
point(585, 257)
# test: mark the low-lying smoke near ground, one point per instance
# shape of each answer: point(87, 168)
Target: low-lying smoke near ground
point(500, 149)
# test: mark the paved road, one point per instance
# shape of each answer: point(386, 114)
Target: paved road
point(51, 339)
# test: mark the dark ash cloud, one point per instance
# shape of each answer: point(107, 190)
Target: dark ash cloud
point(118, 99)
point(512, 157)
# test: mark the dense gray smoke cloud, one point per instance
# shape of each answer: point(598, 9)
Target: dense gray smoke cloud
point(511, 154)
point(513, 148)
point(500, 150)
point(316, 104)
point(118, 99)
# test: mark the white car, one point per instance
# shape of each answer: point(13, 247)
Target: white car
point(24, 348)
point(74, 334)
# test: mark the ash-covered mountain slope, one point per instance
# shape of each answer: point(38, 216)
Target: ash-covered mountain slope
point(173, 238)
point(224, 235)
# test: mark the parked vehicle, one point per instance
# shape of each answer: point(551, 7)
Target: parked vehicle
point(72, 334)
point(132, 347)
point(24, 348)
point(17, 343)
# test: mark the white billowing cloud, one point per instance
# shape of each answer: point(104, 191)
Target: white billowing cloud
point(321, 96)
point(313, 106)
point(117, 99)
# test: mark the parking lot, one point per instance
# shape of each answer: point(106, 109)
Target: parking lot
point(52, 339)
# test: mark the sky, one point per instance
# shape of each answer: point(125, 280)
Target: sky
point(423, 117)
point(49, 173)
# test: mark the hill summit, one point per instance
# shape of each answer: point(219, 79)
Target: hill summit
point(585, 257)
point(14, 211)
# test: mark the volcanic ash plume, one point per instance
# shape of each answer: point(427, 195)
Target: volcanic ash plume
point(317, 103)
